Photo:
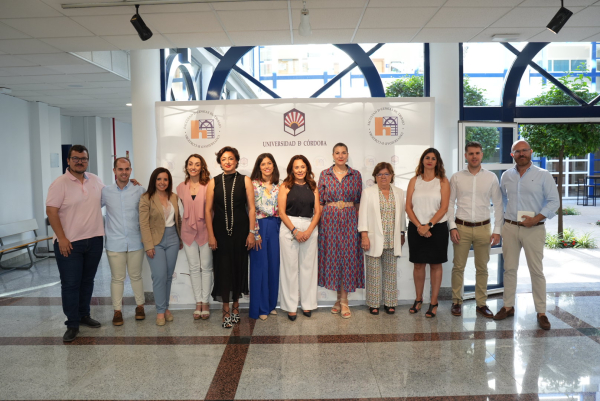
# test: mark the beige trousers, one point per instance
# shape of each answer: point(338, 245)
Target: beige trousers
point(121, 263)
point(532, 240)
point(479, 237)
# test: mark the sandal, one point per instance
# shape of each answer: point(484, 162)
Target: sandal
point(414, 308)
point(374, 311)
point(198, 313)
point(429, 312)
point(336, 308)
point(205, 314)
point(227, 322)
point(235, 313)
point(345, 313)
point(390, 310)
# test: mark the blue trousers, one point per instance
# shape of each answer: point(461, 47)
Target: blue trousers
point(77, 272)
point(264, 269)
point(162, 266)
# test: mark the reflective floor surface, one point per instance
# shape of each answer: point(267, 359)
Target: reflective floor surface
point(392, 357)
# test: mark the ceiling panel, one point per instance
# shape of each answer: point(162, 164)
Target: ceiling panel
point(412, 17)
point(324, 36)
point(333, 4)
point(472, 17)
point(251, 5)
point(445, 35)
point(251, 20)
point(26, 8)
point(128, 42)
point(206, 39)
point(26, 46)
point(330, 18)
point(479, 3)
point(6, 32)
point(32, 87)
point(81, 44)
point(57, 79)
point(395, 35)
point(107, 76)
point(267, 37)
point(53, 59)
point(56, 5)
point(13, 61)
point(524, 34)
point(108, 24)
point(31, 70)
point(405, 3)
point(76, 69)
point(588, 17)
point(9, 81)
point(184, 22)
point(7, 74)
point(529, 17)
point(57, 27)
point(556, 4)
point(566, 34)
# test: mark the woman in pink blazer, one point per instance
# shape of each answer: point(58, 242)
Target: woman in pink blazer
point(194, 235)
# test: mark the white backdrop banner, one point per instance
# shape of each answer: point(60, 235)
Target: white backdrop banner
point(374, 130)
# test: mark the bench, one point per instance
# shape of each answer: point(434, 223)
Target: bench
point(21, 227)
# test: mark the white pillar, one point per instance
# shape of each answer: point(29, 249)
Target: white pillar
point(444, 62)
point(207, 73)
point(145, 91)
point(40, 161)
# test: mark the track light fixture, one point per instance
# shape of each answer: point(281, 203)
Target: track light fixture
point(138, 23)
point(304, 28)
point(560, 19)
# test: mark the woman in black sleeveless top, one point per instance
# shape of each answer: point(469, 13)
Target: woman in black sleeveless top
point(299, 210)
point(229, 234)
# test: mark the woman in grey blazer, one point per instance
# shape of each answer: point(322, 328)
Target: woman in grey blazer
point(160, 225)
point(382, 223)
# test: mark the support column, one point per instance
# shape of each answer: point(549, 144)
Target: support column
point(145, 91)
point(444, 62)
point(41, 178)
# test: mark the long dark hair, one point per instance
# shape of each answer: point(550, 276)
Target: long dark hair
point(257, 174)
point(440, 172)
point(309, 178)
point(152, 184)
point(204, 173)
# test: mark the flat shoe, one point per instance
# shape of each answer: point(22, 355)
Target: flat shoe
point(160, 321)
point(273, 312)
point(263, 317)
point(169, 317)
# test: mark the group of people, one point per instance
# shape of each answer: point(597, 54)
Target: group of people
point(298, 233)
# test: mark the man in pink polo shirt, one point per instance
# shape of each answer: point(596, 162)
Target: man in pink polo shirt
point(74, 211)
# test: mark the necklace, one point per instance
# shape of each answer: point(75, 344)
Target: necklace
point(229, 229)
point(340, 172)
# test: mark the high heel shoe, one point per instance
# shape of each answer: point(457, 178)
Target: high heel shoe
point(390, 310)
point(345, 312)
point(235, 314)
point(429, 312)
point(198, 313)
point(227, 323)
point(414, 308)
point(205, 314)
point(307, 313)
point(292, 317)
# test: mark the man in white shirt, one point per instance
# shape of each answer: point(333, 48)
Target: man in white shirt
point(471, 190)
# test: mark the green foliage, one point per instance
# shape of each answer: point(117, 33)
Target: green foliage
point(569, 211)
point(472, 95)
point(598, 223)
point(406, 87)
point(548, 139)
point(570, 240)
point(488, 137)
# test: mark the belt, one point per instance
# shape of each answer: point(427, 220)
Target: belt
point(518, 223)
point(340, 204)
point(466, 223)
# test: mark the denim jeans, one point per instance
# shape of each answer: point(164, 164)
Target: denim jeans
point(77, 273)
point(162, 267)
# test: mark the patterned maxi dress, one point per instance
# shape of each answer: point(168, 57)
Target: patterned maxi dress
point(341, 265)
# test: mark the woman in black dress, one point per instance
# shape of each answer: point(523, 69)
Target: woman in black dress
point(230, 212)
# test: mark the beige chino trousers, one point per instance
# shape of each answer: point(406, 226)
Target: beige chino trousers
point(121, 263)
point(479, 237)
point(532, 240)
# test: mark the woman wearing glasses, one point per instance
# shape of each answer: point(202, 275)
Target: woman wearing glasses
point(381, 223)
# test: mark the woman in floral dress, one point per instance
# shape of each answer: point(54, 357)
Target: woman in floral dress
point(341, 266)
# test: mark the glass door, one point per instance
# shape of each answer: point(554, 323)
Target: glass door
point(496, 139)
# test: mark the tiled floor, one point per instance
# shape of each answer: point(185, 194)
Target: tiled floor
point(392, 357)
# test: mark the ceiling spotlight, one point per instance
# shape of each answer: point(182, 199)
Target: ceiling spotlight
point(128, 104)
point(138, 23)
point(560, 19)
point(304, 28)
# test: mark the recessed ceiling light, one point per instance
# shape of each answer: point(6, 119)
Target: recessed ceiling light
point(505, 37)
point(128, 104)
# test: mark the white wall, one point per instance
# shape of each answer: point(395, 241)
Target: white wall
point(124, 139)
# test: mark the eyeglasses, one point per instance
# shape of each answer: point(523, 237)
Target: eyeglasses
point(384, 175)
point(523, 151)
point(80, 159)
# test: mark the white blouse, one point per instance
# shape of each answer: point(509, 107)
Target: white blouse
point(427, 199)
point(169, 215)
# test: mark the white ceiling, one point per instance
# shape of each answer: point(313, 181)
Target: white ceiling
point(35, 35)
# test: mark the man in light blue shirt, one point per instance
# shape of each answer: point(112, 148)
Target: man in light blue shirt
point(530, 197)
point(124, 247)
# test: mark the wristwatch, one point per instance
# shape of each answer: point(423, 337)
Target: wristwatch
point(430, 224)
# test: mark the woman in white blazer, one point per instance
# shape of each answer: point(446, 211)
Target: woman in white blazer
point(382, 223)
